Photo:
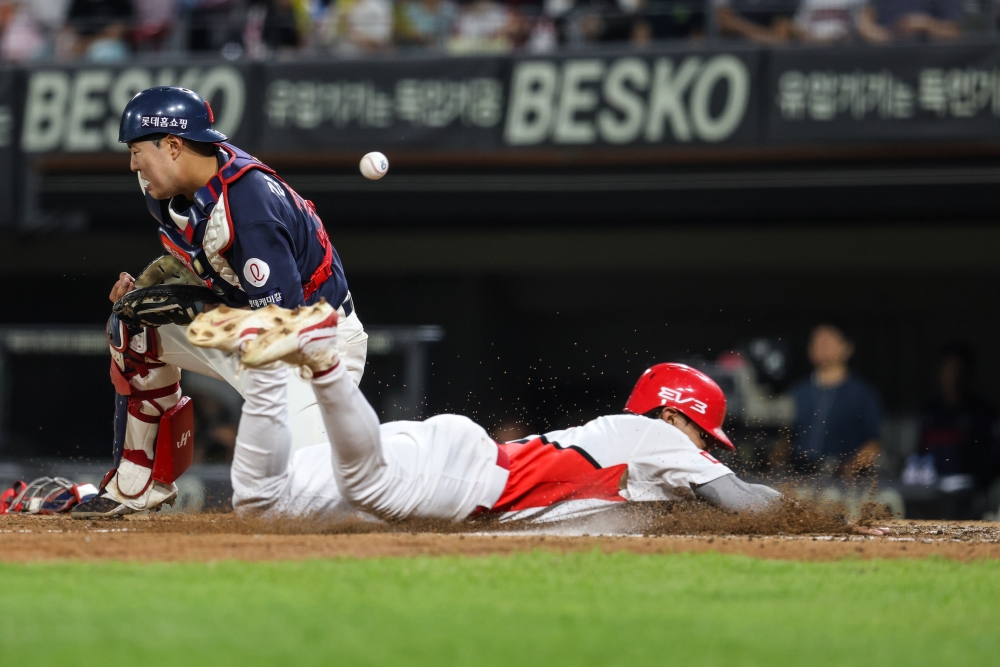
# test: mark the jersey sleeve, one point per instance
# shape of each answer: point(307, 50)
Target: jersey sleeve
point(263, 258)
point(666, 465)
point(733, 494)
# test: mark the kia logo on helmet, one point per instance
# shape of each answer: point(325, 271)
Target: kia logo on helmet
point(674, 396)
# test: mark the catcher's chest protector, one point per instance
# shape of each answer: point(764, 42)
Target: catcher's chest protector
point(202, 238)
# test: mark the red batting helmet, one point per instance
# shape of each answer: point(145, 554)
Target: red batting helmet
point(689, 391)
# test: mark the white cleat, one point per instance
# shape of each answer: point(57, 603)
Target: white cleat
point(230, 329)
point(307, 338)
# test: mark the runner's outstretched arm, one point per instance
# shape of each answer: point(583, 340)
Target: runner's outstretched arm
point(731, 493)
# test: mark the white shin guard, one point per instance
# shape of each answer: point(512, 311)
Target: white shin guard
point(132, 484)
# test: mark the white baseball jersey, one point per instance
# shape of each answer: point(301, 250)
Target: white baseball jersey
point(447, 467)
point(580, 470)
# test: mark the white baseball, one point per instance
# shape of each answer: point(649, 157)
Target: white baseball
point(374, 165)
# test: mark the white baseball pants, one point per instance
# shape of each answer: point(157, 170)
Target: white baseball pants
point(444, 467)
point(306, 420)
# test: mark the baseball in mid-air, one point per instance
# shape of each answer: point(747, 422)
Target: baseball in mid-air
point(374, 165)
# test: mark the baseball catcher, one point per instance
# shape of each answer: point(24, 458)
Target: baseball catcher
point(235, 234)
point(447, 467)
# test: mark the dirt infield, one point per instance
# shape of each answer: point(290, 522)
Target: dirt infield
point(213, 537)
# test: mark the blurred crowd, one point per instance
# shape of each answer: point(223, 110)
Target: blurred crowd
point(951, 469)
point(112, 30)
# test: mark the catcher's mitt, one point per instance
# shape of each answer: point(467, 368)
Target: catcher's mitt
point(167, 292)
point(163, 304)
point(167, 270)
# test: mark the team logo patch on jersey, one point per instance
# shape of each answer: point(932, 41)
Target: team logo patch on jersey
point(256, 271)
point(261, 300)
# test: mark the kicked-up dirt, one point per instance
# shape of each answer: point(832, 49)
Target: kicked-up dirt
point(802, 535)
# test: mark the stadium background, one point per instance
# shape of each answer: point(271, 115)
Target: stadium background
point(564, 216)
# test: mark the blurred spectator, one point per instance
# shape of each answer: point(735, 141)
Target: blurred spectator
point(483, 26)
point(831, 21)
point(577, 22)
point(28, 28)
point(837, 414)
point(425, 22)
point(212, 23)
point(763, 23)
point(281, 30)
point(154, 22)
point(22, 37)
point(956, 450)
point(641, 22)
point(673, 19)
point(921, 19)
point(366, 25)
point(642, 32)
point(96, 30)
point(624, 21)
point(543, 36)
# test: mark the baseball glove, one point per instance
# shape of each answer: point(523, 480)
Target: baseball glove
point(167, 270)
point(166, 293)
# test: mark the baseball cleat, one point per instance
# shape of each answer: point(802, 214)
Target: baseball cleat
point(103, 507)
point(307, 338)
point(230, 329)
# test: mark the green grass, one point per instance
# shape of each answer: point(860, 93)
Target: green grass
point(530, 609)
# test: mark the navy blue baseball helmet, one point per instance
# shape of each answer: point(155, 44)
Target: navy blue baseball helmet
point(168, 110)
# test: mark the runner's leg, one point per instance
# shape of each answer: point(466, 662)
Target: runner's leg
point(351, 424)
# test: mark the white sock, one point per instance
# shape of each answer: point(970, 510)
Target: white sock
point(353, 429)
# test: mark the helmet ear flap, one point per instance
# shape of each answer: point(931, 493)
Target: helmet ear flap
point(655, 413)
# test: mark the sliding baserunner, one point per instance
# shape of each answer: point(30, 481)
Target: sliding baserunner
point(447, 467)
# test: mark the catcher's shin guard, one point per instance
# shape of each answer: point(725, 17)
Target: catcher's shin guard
point(154, 424)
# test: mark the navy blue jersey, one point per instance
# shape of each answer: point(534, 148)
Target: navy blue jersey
point(275, 249)
point(252, 238)
point(834, 421)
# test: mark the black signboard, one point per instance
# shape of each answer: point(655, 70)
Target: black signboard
point(879, 94)
point(652, 99)
point(636, 99)
point(444, 103)
point(77, 109)
point(8, 147)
